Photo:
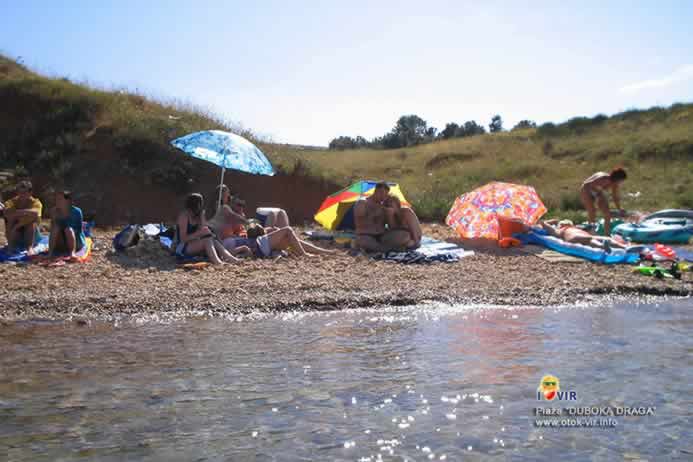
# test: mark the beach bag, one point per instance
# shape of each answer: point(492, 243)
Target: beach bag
point(128, 237)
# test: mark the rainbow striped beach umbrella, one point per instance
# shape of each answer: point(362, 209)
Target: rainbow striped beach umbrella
point(337, 210)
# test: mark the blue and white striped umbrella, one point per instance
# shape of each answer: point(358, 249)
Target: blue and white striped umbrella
point(227, 150)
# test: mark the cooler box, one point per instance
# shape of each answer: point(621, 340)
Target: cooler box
point(261, 213)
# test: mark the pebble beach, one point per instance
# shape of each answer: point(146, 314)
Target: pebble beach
point(145, 281)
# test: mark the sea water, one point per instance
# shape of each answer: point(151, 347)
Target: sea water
point(432, 382)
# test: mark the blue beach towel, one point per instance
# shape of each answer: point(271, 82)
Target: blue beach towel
point(615, 256)
point(430, 251)
point(21, 255)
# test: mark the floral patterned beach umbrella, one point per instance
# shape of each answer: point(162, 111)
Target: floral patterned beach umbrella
point(227, 150)
point(475, 214)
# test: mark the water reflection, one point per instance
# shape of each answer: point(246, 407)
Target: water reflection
point(426, 383)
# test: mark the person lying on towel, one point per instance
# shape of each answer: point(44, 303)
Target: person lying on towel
point(67, 233)
point(403, 218)
point(263, 243)
point(370, 218)
point(22, 216)
point(566, 231)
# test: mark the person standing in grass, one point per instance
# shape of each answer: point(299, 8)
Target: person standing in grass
point(22, 216)
point(67, 231)
point(593, 194)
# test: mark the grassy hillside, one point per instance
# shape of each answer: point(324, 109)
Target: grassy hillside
point(112, 149)
point(655, 146)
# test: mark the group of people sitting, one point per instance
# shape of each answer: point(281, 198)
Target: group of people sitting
point(22, 217)
point(231, 235)
point(383, 224)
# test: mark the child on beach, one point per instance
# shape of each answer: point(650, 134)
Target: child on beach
point(67, 233)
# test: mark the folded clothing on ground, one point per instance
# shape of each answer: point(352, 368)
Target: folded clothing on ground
point(430, 251)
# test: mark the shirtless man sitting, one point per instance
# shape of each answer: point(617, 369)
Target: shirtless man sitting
point(370, 219)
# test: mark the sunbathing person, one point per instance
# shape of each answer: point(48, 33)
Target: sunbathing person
point(403, 218)
point(263, 243)
point(22, 216)
point(193, 236)
point(67, 232)
point(593, 192)
point(370, 219)
point(566, 231)
point(229, 220)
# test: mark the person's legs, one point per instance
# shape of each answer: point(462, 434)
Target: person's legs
point(222, 253)
point(396, 239)
point(277, 219)
point(412, 223)
point(55, 239)
point(14, 238)
point(285, 238)
point(70, 241)
point(550, 230)
point(602, 241)
point(368, 243)
point(281, 219)
point(308, 247)
point(205, 246)
point(30, 235)
point(588, 203)
point(603, 205)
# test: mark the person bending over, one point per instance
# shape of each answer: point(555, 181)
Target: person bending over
point(193, 236)
point(67, 232)
point(403, 218)
point(370, 219)
point(22, 216)
point(593, 192)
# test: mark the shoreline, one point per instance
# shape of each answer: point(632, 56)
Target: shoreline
point(145, 281)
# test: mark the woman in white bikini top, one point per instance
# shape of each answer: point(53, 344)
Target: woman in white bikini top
point(592, 194)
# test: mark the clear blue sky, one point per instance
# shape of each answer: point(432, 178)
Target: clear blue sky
point(307, 71)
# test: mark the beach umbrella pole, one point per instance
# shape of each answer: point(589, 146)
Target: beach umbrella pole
point(221, 182)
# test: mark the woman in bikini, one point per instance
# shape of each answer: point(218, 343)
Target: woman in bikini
point(193, 235)
point(592, 192)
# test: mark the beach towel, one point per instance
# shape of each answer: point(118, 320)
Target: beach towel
point(613, 256)
point(549, 255)
point(430, 251)
point(22, 255)
point(82, 256)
